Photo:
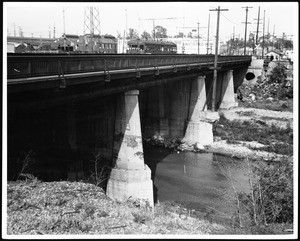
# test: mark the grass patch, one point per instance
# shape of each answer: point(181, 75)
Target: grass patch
point(275, 105)
point(274, 118)
point(246, 113)
point(36, 207)
point(278, 140)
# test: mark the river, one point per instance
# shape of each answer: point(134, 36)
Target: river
point(201, 182)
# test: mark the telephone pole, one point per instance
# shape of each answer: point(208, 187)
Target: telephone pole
point(216, 57)
point(257, 25)
point(247, 9)
point(208, 34)
point(257, 29)
point(54, 31)
point(263, 43)
point(198, 39)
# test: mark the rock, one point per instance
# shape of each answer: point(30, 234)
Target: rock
point(198, 146)
point(252, 96)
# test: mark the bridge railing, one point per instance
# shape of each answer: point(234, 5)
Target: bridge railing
point(35, 65)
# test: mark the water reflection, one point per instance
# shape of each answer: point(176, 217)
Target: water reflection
point(200, 181)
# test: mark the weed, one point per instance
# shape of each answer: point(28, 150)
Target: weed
point(100, 174)
point(142, 216)
point(26, 166)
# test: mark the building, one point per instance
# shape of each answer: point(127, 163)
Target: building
point(11, 47)
point(277, 55)
point(105, 44)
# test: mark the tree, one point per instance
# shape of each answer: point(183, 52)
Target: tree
point(288, 44)
point(190, 35)
point(119, 35)
point(179, 35)
point(145, 35)
point(132, 34)
point(160, 32)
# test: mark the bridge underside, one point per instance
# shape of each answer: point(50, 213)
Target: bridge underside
point(66, 127)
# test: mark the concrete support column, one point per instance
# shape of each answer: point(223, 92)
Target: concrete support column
point(163, 121)
point(199, 124)
point(228, 100)
point(130, 177)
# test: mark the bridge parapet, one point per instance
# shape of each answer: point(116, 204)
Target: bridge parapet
point(55, 65)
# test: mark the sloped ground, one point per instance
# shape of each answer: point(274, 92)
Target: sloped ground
point(56, 208)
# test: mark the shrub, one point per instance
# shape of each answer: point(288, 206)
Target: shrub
point(275, 85)
point(271, 199)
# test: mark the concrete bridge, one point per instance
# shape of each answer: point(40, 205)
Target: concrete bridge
point(70, 106)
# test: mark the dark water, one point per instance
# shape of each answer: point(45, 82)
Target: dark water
point(202, 182)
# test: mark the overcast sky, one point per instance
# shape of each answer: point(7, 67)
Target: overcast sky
point(37, 17)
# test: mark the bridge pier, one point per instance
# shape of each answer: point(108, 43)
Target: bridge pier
point(228, 101)
point(130, 177)
point(199, 124)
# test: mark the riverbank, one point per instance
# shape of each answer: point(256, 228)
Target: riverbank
point(246, 132)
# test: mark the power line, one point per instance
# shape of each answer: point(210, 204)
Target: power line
point(153, 19)
point(230, 20)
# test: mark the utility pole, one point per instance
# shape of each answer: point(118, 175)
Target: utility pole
point(257, 29)
point(54, 31)
point(263, 43)
point(247, 9)
point(273, 37)
point(216, 58)
point(253, 44)
point(198, 39)
point(233, 36)
point(282, 45)
point(208, 34)
point(125, 31)
point(64, 9)
point(268, 37)
point(20, 32)
point(126, 22)
point(256, 41)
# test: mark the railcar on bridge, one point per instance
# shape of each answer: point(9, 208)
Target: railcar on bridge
point(138, 46)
